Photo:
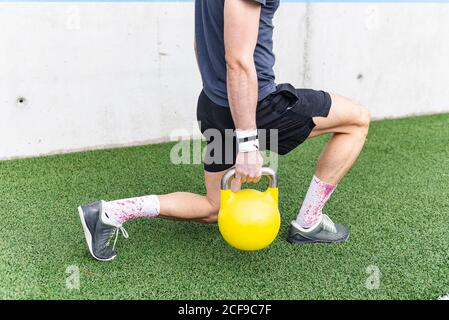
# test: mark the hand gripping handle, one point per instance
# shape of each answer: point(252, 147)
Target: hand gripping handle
point(266, 171)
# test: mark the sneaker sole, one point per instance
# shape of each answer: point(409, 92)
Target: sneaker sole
point(309, 241)
point(88, 236)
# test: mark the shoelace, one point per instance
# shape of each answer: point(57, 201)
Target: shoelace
point(116, 232)
point(328, 224)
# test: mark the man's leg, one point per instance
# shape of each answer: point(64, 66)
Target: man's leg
point(102, 220)
point(189, 206)
point(349, 123)
point(176, 206)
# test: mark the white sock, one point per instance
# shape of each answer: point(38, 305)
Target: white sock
point(317, 195)
point(132, 208)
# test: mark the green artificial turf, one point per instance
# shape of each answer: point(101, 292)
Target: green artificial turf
point(395, 201)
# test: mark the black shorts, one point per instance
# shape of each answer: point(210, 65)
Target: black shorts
point(284, 121)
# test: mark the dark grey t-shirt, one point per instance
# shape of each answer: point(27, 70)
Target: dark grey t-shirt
point(209, 35)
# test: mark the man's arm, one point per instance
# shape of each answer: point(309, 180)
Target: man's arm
point(241, 28)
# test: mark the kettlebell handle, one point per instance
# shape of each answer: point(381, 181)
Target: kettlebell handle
point(266, 171)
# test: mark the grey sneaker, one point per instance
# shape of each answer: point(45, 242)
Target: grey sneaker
point(324, 231)
point(99, 230)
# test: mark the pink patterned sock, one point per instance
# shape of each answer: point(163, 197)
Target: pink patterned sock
point(133, 208)
point(317, 195)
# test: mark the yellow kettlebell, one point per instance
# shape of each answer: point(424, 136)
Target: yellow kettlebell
point(249, 219)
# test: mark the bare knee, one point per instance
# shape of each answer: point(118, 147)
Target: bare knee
point(365, 117)
point(362, 121)
point(212, 216)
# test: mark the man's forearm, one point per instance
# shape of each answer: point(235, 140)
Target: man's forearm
point(242, 87)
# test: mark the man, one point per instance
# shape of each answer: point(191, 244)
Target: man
point(234, 50)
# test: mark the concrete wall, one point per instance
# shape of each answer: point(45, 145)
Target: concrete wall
point(107, 74)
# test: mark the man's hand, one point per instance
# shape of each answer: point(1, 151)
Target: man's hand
point(248, 167)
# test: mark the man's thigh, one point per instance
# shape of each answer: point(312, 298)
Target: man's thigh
point(290, 111)
point(344, 115)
